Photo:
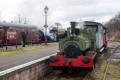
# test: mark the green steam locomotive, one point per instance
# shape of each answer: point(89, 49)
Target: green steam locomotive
point(84, 42)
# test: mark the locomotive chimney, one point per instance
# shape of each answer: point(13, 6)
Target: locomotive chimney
point(73, 24)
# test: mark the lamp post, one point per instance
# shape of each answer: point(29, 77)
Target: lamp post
point(45, 11)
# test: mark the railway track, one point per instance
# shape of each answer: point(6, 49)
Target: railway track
point(83, 74)
point(114, 49)
point(78, 74)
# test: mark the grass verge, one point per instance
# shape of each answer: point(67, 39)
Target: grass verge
point(113, 72)
point(12, 51)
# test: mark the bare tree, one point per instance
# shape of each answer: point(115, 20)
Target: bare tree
point(20, 19)
point(113, 26)
point(57, 26)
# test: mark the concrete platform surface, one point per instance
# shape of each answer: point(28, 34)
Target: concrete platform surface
point(17, 59)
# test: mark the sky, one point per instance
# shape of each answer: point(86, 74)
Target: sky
point(62, 11)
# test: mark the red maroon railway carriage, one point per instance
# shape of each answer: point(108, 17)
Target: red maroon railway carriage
point(11, 33)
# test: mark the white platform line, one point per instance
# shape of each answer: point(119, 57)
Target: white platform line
point(4, 72)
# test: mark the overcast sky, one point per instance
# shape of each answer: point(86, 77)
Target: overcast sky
point(62, 11)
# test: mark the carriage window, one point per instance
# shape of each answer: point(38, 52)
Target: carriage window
point(0, 33)
point(22, 30)
point(33, 33)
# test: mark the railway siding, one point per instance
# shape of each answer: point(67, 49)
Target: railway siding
point(29, 71)
point(108, 67)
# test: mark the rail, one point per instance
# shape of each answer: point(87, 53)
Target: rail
point(108, 61)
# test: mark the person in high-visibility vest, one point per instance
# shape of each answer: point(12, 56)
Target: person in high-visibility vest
point(22, 43)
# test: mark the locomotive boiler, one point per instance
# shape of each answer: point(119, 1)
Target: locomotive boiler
point(84, 42)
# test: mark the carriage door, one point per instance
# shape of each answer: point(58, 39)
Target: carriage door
point(23, 36)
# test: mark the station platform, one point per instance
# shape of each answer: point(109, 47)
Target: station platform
point(18, 59)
